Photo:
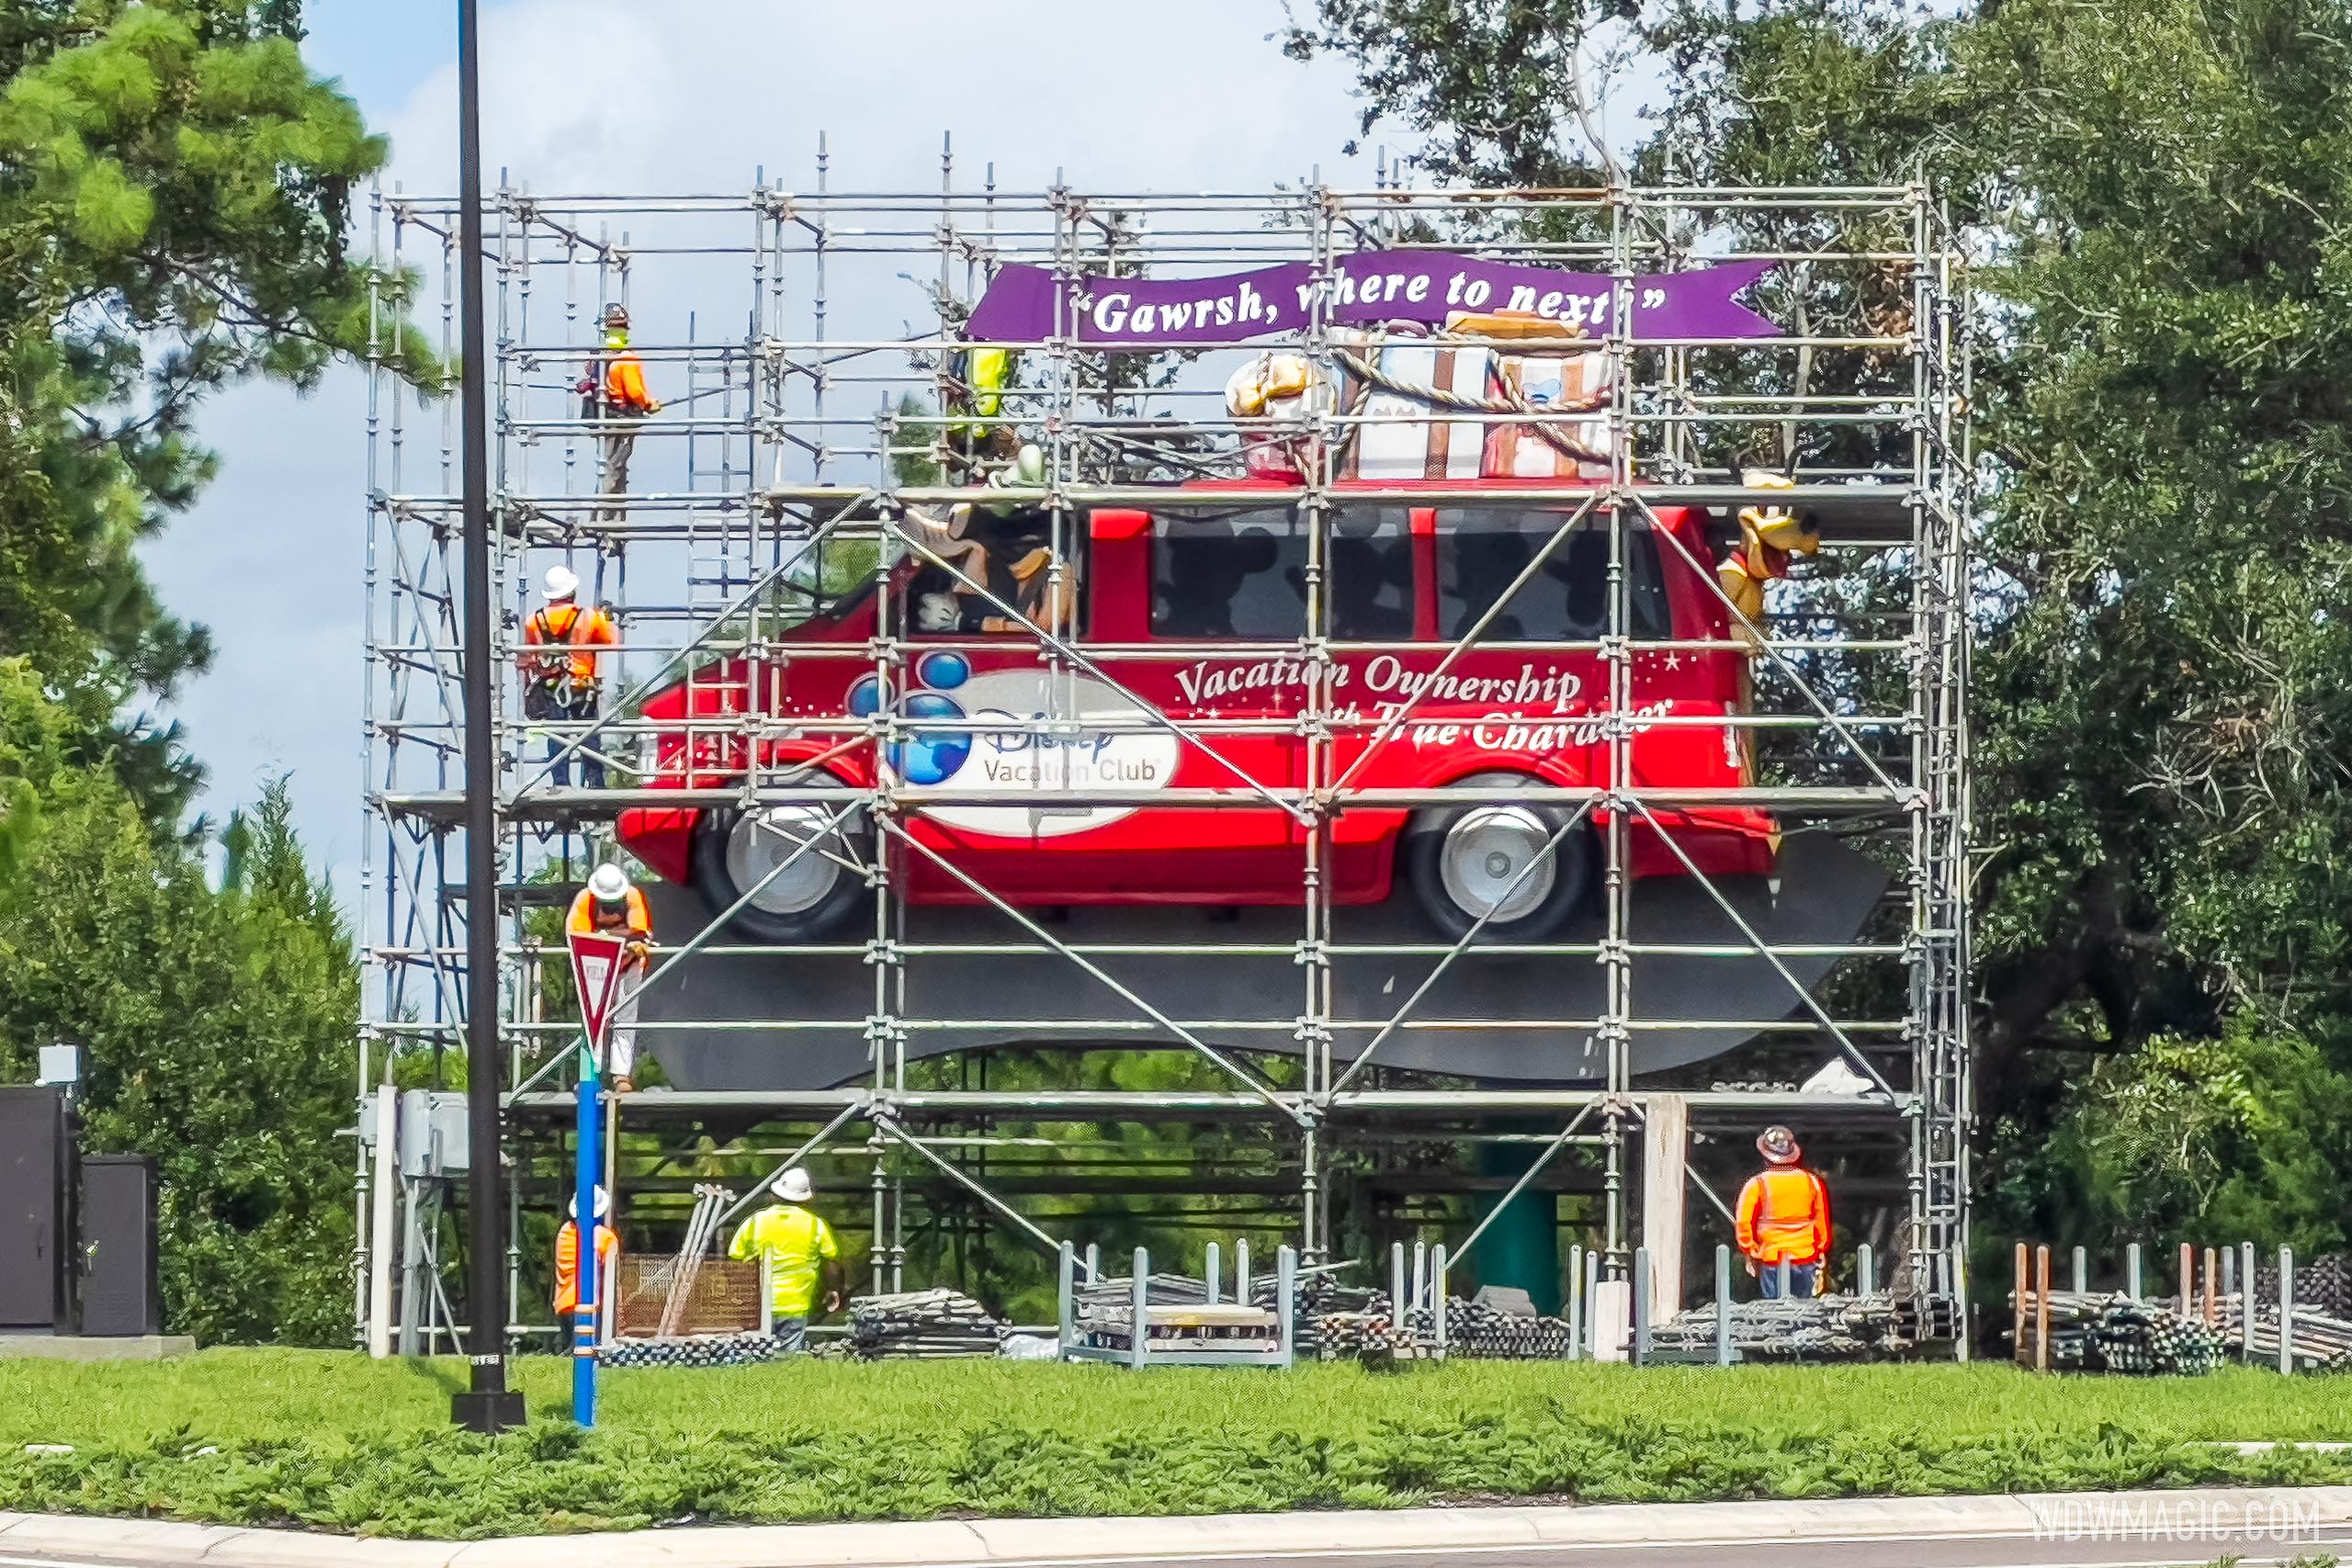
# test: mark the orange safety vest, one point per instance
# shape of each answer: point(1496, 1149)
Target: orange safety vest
point(1784, 1212)
point(567, 1263)
point(587, 917)
point(568, 626)
point(625, 385)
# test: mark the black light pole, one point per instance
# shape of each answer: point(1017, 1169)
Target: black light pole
point(489, 1406)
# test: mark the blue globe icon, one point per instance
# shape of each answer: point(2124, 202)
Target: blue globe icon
point(933, 757)
point(943, 670)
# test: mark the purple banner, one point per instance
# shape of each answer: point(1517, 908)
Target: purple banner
point(1027, 303)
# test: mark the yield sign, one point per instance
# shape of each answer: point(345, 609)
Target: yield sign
point(596, 976)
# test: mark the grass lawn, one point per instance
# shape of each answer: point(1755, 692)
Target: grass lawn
point(332, 1440)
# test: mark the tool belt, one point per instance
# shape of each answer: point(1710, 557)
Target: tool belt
point(558, 696)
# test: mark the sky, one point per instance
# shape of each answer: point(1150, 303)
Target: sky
point(616, 95)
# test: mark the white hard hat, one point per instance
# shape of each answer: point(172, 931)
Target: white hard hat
point(608, 883)
point(604, 1204)
point(560, 582)
point(793, 1186)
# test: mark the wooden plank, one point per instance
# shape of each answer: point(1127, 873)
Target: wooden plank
point(1666, 1163)
point(2041, 1308)
point(2017, 1294)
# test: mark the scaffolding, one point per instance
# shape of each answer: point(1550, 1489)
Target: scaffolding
point(811, 348)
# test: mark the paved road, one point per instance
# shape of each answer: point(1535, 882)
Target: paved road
point(1970, 1552)
point(1979, 1551)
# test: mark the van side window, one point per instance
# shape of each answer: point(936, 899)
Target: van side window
point(1242, 574)
point(1227, 574)
point(1371, 594)
point(1479, 552)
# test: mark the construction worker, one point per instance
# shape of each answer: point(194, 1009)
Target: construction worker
point(567, 1263)
point(565, 682)
point(1784, 1216)
point(609, 906)
point(799, 1250)
point(614, 395)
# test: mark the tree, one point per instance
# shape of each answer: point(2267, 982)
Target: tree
point(173, 186)
point(2164, 695)
point(217, 1027)
point(2206, 1140)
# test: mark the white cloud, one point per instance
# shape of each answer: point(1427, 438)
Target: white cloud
point(619, 97)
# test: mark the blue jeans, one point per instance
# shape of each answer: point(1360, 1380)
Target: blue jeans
point(592, 766)
point(792, 1333)
point(1801, 1279)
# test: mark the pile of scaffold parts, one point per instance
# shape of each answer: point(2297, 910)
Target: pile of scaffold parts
point(1495, 1326)
point(923, 1324)
point(1178, 1323)
point(1882, 1326)
point(1160, 1319)
point(2316, 1341)
point(2210, 1321)
point(2112, 1332)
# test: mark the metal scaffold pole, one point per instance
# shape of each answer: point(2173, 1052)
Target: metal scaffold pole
point(1106, 870)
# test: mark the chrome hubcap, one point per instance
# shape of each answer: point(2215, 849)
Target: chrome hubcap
point(1486, 850)
point(756, 845)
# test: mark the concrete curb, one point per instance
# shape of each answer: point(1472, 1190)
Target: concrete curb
point(145, 1543)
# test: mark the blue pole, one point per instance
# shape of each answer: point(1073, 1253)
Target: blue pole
point(584, 1212)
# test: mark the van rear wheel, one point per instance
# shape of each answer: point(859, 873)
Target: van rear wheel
point(797, 894)
point(1490, 860)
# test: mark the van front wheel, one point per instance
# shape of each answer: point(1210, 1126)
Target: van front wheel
point(1496, 861)
point(797, 894)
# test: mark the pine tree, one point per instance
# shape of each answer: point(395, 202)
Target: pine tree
point(174, 189)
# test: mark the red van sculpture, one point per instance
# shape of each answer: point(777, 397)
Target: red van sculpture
point(1034, 778)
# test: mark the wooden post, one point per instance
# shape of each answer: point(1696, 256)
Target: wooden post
point(2041, 1309)
point(1723, 1305)
point(1286, 1303)
point(1575, 1301)
point(1645, 1293)
point(1066, 1279)
point(1438, 1267)
point(2187, 1281)
point(2286, 1309)
point(2246, 1302)
point(1139, 1305)
point(2082, 1271)
point(1666, 1165)
point(2023, 1298)
point(2212, 1300)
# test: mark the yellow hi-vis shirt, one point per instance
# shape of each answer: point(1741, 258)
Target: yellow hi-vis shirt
point(796, 1245)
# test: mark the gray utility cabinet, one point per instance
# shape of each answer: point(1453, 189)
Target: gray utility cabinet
point(122, 1294)
point(37, 1218)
